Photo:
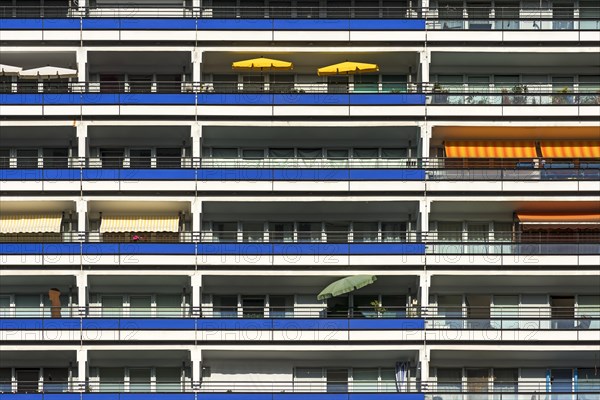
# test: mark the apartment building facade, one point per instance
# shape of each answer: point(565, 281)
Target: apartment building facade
point(290, 199)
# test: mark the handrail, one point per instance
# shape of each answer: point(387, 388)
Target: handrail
point(439, 167)
point(479, 387)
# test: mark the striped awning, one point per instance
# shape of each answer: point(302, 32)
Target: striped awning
point(38, 223)
point(490, 149)
point(570, 148)
point(559, 220)
point(144, 223)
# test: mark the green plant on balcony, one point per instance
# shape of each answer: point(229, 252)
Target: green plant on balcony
point(440, 94)
point(561, 96)
point(378, 307)
point(519, 94)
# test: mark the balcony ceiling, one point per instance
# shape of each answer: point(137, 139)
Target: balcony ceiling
point(28, 60)
point(384, 136)
point(521, 60)
point(461, 210)
point(37, 136)
point(505, 358)
point(126, 284)
point(115, 136)
point(27, 283)
point(441, 133)
point(305, 356)
point(132, 358)
point(139, 62)
point(37, 358)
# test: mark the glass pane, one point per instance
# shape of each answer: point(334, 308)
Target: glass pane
point(253, 153)
point(112, 306)
point(140, 158)
point(253, 231)
point(281, 232)
point(168, 158)
point(224, 231)
point(337, 380)
point(393, 83)
point(449, 231)
point(365, 379)
point(225, 306)
point(111, 379)
point(337, 232)
point(506, 380)
point(139, 379)
point(56, 380)
point(168, 379)
point(281, 153)
point(449, 379)
point(394, 153)
point(310, 153)
point(5, 306)
point(56, 158)
point(5, 380)
point(224, 153)
point(140, 306)
point(169, 305)
point(365, 231)
point(27, 305)
point(27, 158)
point(309, 232)
point(337, 154)
point(366, 83)
point(394, 305)
point(478, 232)
point(366, 153)
point(393, 231)
point(253, 307)
point(281, 306)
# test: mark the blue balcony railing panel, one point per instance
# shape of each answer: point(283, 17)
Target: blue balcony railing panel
point(21, 24)
point(386, 248)
point(386, 324)
point(226, 24)
point(158, 24)
point(311, 324)
point(100, 24)
point(235, 174)
point(157, 324)
point(387, 24)
point(387, 174)
point(235, 324)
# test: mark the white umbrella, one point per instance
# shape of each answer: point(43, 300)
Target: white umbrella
point(48, 73)
point(9, 70)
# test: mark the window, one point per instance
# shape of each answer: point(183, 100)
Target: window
point(253, 306)
point(365, 379)
point(225, 83)
point(281, 232)
point(225, 306)
point(337, 232)
point(168, 158)
point(506, 380)
point(112, 158)
point(449, 379)
point(282, 83)
point(4, 158)
point(365, 231)
point(5, 380)
point(449, 231)
point(309, 232)
point(393, 231)
point(140, 158)
point(27, 158)
point(340, 154)
point(253, 232)
point(393, 83)
point(224, 152)
point(310, 153)
point(394, 153)
point(366, 83)
point(56, 158)
point(281, 153)
point(168, 379)
point(394, 305)
point(140, 83)
point(365, 153)
point(281, 306)
point(224, 231)
point(253, 154)
point(56, 380)
point(111, 379)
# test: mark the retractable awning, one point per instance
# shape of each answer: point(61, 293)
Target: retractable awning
point(490, 149)
point(559, 221)
point(570, 148)
point(128, 223)
point(40, 223)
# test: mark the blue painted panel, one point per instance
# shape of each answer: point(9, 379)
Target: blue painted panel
point(234, 324)
point(20, 248)
point(62, 249)
point(101, 23)
point(100, 248)
point(61, 23)
point(62, 98)
point(387, 174)
point(157, 98)
point(62, 396)
point(21, 23)
point(100, 98)
point(100, 323)
point(67, 174)
point(21, 175)
point(311, 99)
point(100, 396)
point(387, 323)
point(20, 98)
point(310, 248)
point(311, 174)
point(234, 24)
point(62, 323)
point(235, 174)
point(387, 99)
point(158, 174)
point(157, 396)
point(158, 248)
point(310, 324)
point(387, 248)
point(235, 396)
point(235, 248)
point(14, 324)
point(387, 396)
point(158, 23)
point(311, 24)
point(311, 396)
point(235, 99)
point(387, 24)
point(158, 323)
point(100, 174)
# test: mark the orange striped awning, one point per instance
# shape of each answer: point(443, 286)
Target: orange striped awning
point(40, 223)
point(136, 223)
point(559, 221)
point(490, 149)
point(570, 148)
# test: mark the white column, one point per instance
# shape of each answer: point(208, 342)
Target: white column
point(196, 4)
point(424, 59)
point(424, 356)
point(196, 65)
point(82, 360)
point(82, 293)
point(424, 293)
point(196, 144)
point(196, 295)
point(81, 65)
point(424, 208)
point(425, 141)
point(81, 139)
point(196, 355)
point(196, 219)
point(82, 207)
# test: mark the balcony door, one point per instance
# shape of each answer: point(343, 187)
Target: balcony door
point(561, 381)
point(140, 306)
point(253, 306)
point(337, 232)
point(112, 306)
point(140, 158)
point(27, 380)
point(140, 380)
point(478, 311)
point(337, 380)
point(562, 311)
point(478, 380)
point(27, 158)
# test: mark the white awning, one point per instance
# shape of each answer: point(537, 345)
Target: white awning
point(49, 223)
point(9, 70)
point(137, 223)
point(48, 73)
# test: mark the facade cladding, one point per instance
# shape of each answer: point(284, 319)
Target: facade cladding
point(300, 199)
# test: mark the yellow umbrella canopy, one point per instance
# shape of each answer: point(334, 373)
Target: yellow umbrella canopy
point(347, 68)
point(262, 64)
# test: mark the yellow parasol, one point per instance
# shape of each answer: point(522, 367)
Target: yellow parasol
point(262, 64)
point(347, 68)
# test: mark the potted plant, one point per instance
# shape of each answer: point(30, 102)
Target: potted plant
point(519, 94)
point(561, 96)
point(378, 307)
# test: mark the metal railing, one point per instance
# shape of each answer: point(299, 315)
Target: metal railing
point(476, 389)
